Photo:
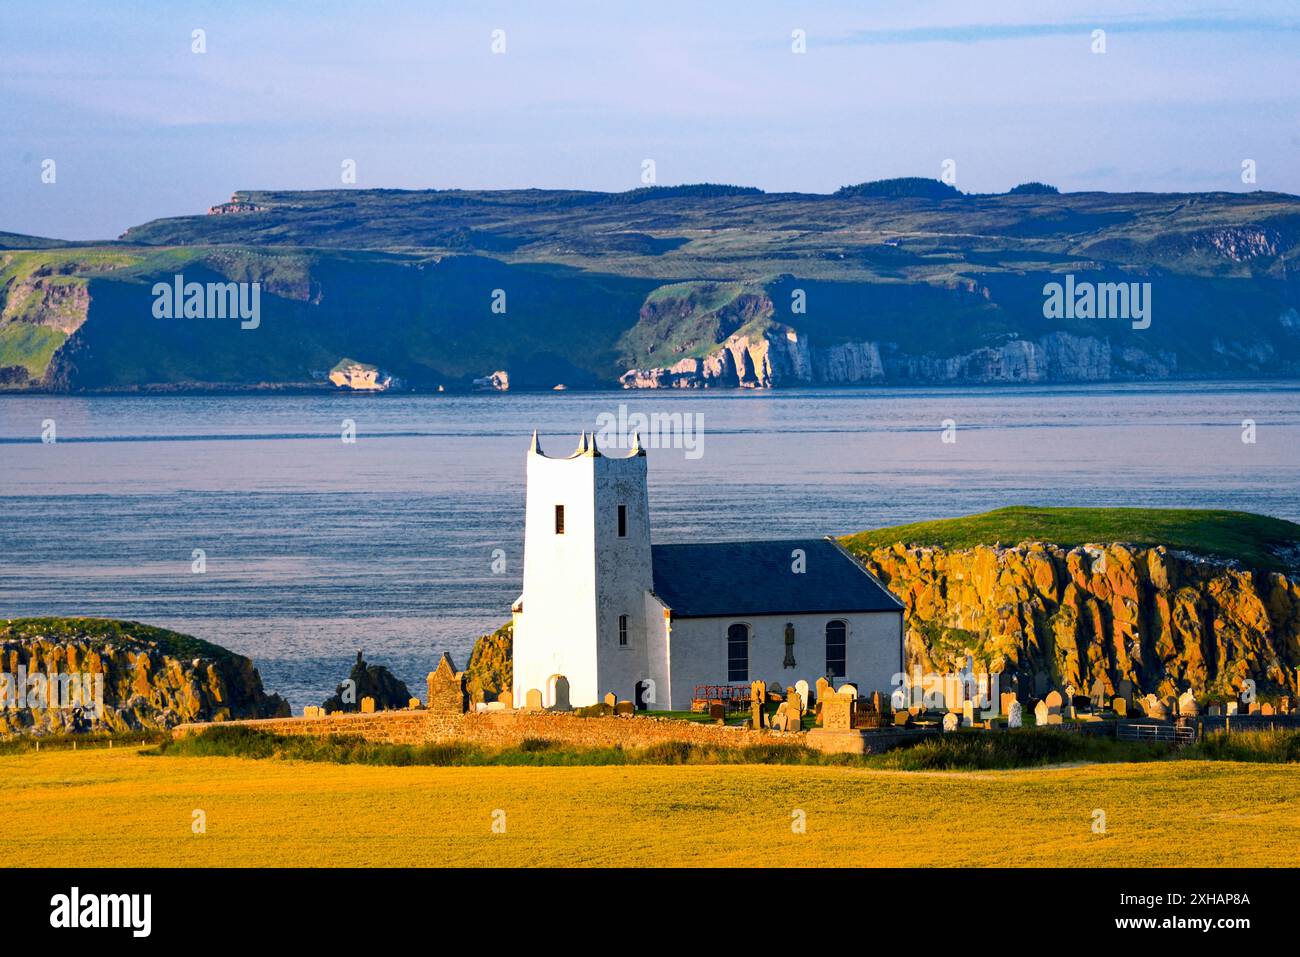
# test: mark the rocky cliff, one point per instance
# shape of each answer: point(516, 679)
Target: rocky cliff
point(1163, 619)
point(782, 356)
point(151, 677)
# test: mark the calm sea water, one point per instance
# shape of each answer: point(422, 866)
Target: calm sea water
point(316, 548)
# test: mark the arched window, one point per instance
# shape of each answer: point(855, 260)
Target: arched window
point(837, 633)
point(738, 652)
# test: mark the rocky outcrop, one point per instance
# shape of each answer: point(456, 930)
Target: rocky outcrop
point(368, 681)
point(1164, 620)
point(491, 664)
point(151, 678)
point(498, 381)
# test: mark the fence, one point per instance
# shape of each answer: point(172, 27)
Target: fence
point(1181, 733)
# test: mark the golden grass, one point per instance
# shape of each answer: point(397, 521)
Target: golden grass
point(120, 807)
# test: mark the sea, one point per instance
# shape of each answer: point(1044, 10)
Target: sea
point(408, 540)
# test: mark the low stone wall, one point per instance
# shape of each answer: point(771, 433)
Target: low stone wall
point(505, 728)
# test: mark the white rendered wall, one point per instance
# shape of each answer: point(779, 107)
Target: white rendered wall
point(576, 585)
point(698, 649)
point(623, 574)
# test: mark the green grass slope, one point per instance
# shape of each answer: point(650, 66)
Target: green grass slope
point(1256, 541)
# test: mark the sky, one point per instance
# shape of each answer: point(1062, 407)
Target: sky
point(140, 126)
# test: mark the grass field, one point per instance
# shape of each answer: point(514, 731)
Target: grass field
point(1254, 540)
point(99, 807)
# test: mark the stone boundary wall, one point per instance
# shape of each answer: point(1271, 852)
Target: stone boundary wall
point(505, 728)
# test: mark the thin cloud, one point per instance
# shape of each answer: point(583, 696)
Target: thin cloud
point(982, 33)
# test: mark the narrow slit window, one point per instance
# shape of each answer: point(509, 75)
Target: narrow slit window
point(559, 520)
point(622, 521)
point(622, 630)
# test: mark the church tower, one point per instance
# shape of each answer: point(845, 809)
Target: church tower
point(587, 570)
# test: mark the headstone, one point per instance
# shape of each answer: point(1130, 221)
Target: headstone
point(533, 700)
point(506, 698)
point(1284, 705)
point(1266, 709)
point(498, 706)
point(446, 687)
point(1253, 708)
point(757, 698)
point(717, 712)
point(413, 704)
point(823, 688)
point(781, 720)
point(1041, 712)
point(877, 702)
point(1015, 715)
point(1156, 708)
point(1187, 704)
point(1098, 694)
point(1126, 690)
point(837, 712)
point(1215, 710)
point(902, 718)
point(624, 707)
point(968, 714)
point(795, 704)
point(1007, 699)
point(561, 694)
point(848, 689)
point(1230, 707)
point(1120, 707)
point(950, 721)
point(611, 699)
point(1053, 702)
point(368, 705)
point(801, 686)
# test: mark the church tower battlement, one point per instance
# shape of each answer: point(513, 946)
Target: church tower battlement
point(587, 570)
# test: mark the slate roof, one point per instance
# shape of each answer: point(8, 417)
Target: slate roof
point(729, 579)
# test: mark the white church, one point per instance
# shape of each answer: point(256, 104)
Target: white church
point(610, 612)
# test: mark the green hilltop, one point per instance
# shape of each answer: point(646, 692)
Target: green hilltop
point(1256, 541)
point(598, 283)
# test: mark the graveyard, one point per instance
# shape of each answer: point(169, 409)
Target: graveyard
point(822, 717)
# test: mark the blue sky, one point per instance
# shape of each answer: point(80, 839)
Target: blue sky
point(141, 127)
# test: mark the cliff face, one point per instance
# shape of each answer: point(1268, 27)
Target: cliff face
point(1162, 619)
point(152, 678)
point(782, 356)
